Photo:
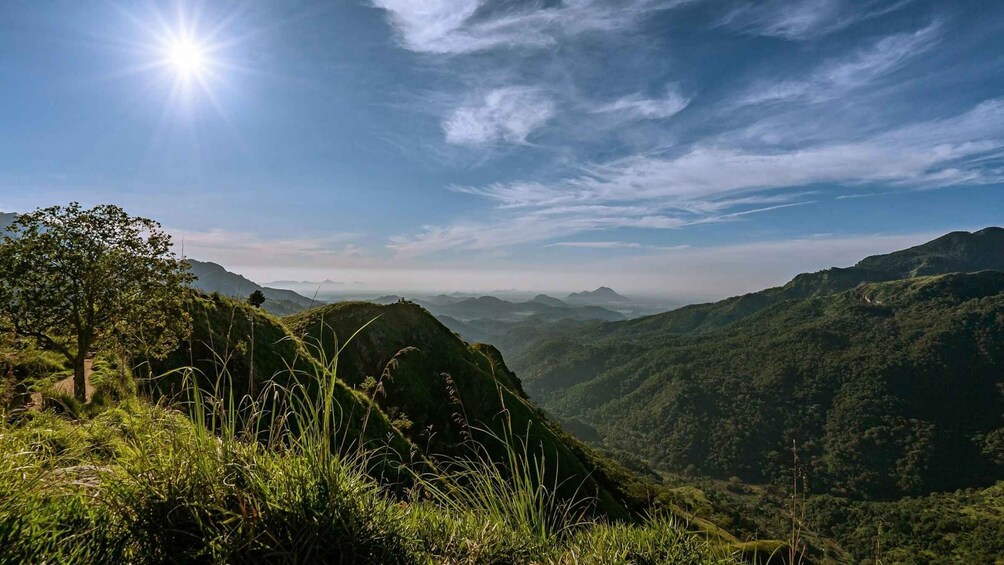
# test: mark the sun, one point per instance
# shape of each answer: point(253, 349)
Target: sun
point(187, 57)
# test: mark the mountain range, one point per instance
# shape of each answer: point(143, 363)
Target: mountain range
point(212, 277)
point(868, 368)
point(953, 252)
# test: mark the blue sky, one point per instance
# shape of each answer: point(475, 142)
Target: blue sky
point(691, 148)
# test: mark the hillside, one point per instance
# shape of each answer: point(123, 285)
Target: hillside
point(954, 252)
point(215, 278)
point(236, 348)
point(135, 480)
point(447, 390)
point(871, 382)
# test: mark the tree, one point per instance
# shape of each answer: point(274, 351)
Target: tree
point(257, 298)
point(76, 280)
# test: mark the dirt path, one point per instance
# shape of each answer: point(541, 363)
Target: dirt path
point(65, 386)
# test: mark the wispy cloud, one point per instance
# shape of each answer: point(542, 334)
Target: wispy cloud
point(466, 26)
point(708, 183)
point(237, 248)
point(837, 77)
point(614, 245)
point(929, 152)
point(508, 114)
point(804, 19)
point(639, 107)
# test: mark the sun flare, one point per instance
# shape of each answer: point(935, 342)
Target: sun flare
point(187, 57)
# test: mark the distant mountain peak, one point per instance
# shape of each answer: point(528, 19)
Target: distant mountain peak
point(601, 294)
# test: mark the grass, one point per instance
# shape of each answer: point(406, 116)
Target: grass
point(197, 481)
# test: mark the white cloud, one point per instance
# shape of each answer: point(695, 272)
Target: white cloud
point(240, 249)
point(638, 107)
point(836, 78)
point(712, 183)
point(934, 152)
point(530, 227)
point(613, 245)
point(507, 114)
point(804, 19)
point(465, 26)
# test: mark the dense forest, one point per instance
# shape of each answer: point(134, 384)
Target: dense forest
point(869, 382)
point(886, 378)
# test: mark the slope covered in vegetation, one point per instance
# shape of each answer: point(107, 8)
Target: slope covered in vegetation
point(212, 277)
point(143, 484)
point(191, 478)
point(953, 252)
point(238, 351)
point(446, 393)
point(889, 389)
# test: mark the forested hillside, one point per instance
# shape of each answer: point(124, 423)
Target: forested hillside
point(872, 383)
point(430, 387)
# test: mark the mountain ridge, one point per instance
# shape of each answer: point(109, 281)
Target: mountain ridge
point(213, 277)
point(935, 257)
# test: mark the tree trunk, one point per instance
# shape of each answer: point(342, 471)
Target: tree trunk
point(80, 378)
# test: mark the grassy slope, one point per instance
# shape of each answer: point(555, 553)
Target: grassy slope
point(215, 278)
point(143, 484)
point(235, 347)
point(411, 354)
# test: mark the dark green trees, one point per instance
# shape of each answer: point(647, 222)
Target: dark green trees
point(256, 298)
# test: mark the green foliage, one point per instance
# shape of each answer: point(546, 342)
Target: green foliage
point(256, 298)
point(23, 369)
point(239, 351)
point(453, 393)
point(954, 252)
point(145, 484)
point(964, 526)
point(871, 382)
point(212, 278)
point(76, 280)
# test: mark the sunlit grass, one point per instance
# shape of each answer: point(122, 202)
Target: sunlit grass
point(212, 478)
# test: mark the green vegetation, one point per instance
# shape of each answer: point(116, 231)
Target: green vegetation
point(75, 280)
point(887, 376)
point(143, 483)
point(445, 394)
point(870, 382)
point(192, 476)
point(955, 252)
point(214, 431)
point(964, 526)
